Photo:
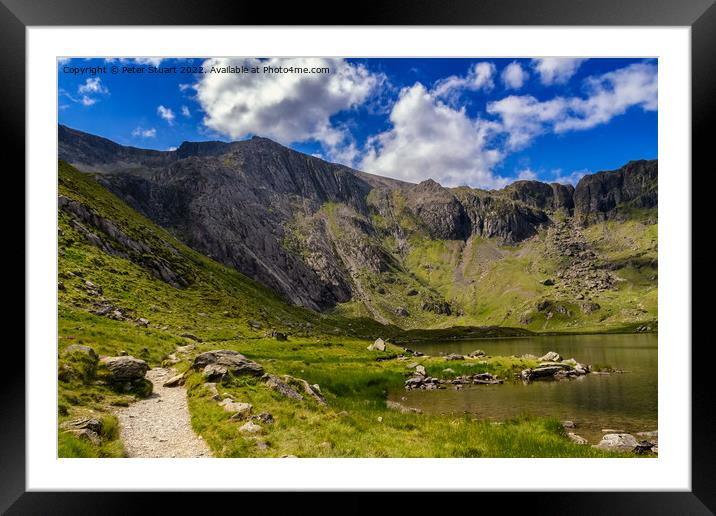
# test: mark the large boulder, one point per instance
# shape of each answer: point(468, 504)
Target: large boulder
point(550, 356)
point(125, 368)
point(218, 363)
point(378, 345)
point(618, 442)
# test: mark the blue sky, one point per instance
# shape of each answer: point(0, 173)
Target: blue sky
point(481, 122)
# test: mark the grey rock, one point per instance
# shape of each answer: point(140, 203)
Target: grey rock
point(240, 410)
point(550, 356)
point(174, 381)
point(618, 442)
point(577, 438)
point(378, 345)
point(218, 363)
point(125, 368)
point(250, 428)
point(275, 383)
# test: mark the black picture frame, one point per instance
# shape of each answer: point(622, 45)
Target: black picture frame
point(700, 15)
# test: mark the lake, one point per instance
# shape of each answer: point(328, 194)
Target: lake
point(625, 401)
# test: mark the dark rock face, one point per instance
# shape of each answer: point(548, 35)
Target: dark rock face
point(441, 212)
point(605, 195)
point(494, 216)
point(543, 196)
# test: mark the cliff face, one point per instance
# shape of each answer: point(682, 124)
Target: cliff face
point(543, 196)
point(611, 194)
point(312, 230)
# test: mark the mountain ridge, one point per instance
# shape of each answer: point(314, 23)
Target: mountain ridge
point(326, 236)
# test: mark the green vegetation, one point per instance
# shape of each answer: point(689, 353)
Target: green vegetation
point(220, 308)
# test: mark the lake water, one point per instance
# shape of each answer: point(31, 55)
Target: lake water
point(626, 401)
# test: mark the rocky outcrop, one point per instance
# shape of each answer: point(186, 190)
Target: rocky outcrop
point(218, 364)
point(124, 368)
point(439, 210)
point(610, 194)
point(110, 238)
point(543, 196)
point(494, 216)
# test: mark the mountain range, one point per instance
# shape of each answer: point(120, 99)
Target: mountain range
point(342, 241)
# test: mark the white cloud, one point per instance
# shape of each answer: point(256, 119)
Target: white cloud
point(611, 94)
point(87, 101)
point(185, 111)
point(556, 70)
point(172, 148)
point(166, 114)
point(527, 174)
point(572, 178)
point(153, 61)
point(524, 117)
point(479, 77)
point(430, 139)
point(144, 133)
point(92, 85)
point(514, 76)
point(184, 86)
point(287, 107)
point(608, 95)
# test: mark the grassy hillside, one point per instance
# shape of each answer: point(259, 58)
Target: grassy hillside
point(218, 308)
point(487, 282)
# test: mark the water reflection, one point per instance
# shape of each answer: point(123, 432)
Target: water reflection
point(620, 401)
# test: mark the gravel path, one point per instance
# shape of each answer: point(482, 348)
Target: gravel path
point(159, 426)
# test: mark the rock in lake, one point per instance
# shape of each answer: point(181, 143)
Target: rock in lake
point(550, 356)
point(125, 368)
point(218, 363)
point(618, 442)
point(476, 353)
point(378, 345)
point(577, 439)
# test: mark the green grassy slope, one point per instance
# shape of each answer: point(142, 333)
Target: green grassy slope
point(489, 283)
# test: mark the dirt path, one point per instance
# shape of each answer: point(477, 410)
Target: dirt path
point(159, 426)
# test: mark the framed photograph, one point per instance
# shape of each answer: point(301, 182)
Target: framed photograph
point(439, 250)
